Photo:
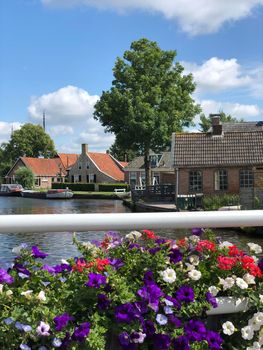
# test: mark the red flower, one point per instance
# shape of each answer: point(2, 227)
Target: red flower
point(205, 244)
point(182, 243)
point(234, 251)
point(149, 234)
point(79, 266)
point(101, 263)
point(225, 263)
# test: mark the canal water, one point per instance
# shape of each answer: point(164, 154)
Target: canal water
point(59, 244)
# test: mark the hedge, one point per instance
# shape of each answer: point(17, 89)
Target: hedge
point(75, 186)
point(111, 187)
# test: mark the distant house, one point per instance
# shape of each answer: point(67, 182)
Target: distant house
point(45, 171)
point(94, 167)
point(227, 159)
point(162, 171)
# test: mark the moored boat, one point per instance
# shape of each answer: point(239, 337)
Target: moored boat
point(33, 194)
point(11, 190)
point(61, 193)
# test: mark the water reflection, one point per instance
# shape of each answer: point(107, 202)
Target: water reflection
point(59, 244)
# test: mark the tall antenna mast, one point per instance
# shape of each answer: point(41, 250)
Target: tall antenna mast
point(12, 130)
point(44, 120)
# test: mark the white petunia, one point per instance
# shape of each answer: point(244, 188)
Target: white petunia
point(247, 333)
point(241, 283)
point(1, 288)
point(228, 328)
point(261, 298)
point(194, 239)
point(168, 275)
point(41, 296)
point(227, 283)
point(27, 293)
point(225, 244)
point(161, 319)
point(256, 321)
point(195, 275)
point(250, 279)
point(194, 259)
point(133, 235)
point(213, 290)
point(255, 248)
point(9, 292)
point(140, 339)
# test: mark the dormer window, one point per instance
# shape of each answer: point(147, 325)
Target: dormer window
point(154, 160)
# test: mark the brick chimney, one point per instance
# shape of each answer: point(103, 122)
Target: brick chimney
point(84, 148)
point(216, 125)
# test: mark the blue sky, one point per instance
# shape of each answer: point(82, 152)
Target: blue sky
point(58, 55)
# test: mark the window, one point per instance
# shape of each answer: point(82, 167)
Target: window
point(91, 177)
point(76, 178)
point(154, 160)
point(195, 181)
point(87, 165)
point(133, 178)
point(246, 178)
point(142, 179)
point(37, 182)
point(79, 166)
point(156, 179)
point(221, 181)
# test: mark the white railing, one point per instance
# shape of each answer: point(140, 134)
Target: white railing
point(128, 221)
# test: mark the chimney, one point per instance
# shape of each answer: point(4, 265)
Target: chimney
point(216, 125)
point(84, 148)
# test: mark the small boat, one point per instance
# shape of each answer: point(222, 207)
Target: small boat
point(33, 194)
point(11, 190)
point(61, 193)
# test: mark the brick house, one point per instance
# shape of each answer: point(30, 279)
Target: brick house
point(45, 170)
point(227, 159)
point(161, 170)
point(93, 167)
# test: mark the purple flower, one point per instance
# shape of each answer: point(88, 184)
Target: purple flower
point(103, 301)
point(154, 250)
point(134, 245)
point(116, 263)
point(214, 340)
point(137, 337)
point(24, 347)
point(197, 231)
point(124, 338)
point(61, 321)
point(5, 277)
point(43, 329)
point(151, 293)
point(175, 321)
point(175, 256)
point(21, 268)
point(211, 299)
point(66, 341)
point(195, 330)
point(172, 301)
point(260, 264)
point(160, 241)
point(148, 277)
point(161, 341)
point(185, 293)
point(62, 267)
point(49, 269)
point(181, 343)
point(81, 332)
point(148, 327)
point(126, 313)
point(37, 253)
point(95, 280)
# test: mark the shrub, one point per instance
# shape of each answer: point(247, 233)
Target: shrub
point(25, 177)
point(111, 187)
point(89, 187)
point(217, 201)
point(145, 291)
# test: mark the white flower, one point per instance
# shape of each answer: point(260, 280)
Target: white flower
point(168, 310)
point(256, 346)
point(1, 288)
point(161, 319)
point(190, 267)
point(255, 248)
point(27, 293)
point(41, 296)
point(256, 321)
point(133, 235)
point(250, 279)
point(256, 259)
point(228, 328)
point(227, 283)
point(140, 339)
point(225, 244)
point(168, 302)
point(195, 275)
point(168, 275)
point(260, 339)
point(241, 283)
point(64, 261)
point(9, 292)
point(213, 290)
point(194, 259)
point(247, 333)
point(261, 298)
point(194, 239)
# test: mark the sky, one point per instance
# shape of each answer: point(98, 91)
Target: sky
point(57, 56)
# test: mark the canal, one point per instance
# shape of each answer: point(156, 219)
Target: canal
point(59, 244)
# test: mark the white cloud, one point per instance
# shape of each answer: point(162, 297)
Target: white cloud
point(61, 130)
point(194, 17)
point(217, 74)
point(68, 105)
point(237, 110)
point(6, 130)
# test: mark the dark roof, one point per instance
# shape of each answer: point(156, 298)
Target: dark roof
point(241, 126)
point(138, 162)
point(229, 149)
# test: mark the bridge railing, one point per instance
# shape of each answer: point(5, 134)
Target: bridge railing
point(39, 223)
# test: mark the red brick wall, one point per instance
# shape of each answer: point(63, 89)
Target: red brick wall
point(208, 181)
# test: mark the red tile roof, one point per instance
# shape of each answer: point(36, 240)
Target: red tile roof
point(107, 165)
point(123, 164)
point(43, 166)
point(68, 159)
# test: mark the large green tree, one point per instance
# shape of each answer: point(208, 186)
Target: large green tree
point(206, 122)
point(29, 141)
point(150, 98)
point(122, 154)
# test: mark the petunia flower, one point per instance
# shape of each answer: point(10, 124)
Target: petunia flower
point(37, 253)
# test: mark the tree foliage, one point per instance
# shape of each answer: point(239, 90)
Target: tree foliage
point(25, 177)
point(206, 122)
point(122, 154)
point(149, 99)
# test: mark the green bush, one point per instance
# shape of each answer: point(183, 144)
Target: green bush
point(75, 186)
point(217, 201)
point(111, 187)
point(25, 177)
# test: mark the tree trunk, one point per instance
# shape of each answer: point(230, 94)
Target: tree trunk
point(147, 167)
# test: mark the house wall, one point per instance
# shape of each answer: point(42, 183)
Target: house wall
point(82, 162)
point(165, 177)
point(209, 179)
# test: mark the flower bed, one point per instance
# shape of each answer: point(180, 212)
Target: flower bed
point(136, 292)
